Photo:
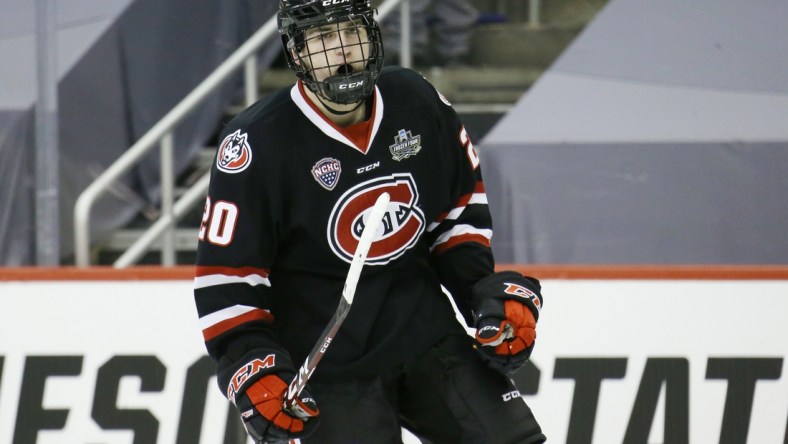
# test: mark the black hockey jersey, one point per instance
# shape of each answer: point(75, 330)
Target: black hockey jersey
point(288, 196)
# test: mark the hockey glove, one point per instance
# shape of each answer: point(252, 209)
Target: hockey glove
point(507, 308)
point(264, 414)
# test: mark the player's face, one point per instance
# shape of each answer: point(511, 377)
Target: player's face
point(336, 49)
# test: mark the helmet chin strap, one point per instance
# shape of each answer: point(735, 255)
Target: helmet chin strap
point(316, 89)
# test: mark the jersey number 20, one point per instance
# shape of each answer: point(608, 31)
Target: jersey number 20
point(218, 222)
point(465, 140)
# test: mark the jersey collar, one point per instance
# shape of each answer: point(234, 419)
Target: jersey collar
point(327, 126)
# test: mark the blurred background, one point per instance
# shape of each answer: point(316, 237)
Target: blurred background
point(108, 71)
point(623, 131)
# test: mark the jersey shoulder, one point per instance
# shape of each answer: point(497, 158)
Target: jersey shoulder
point(268, 111)
point(255, 138)
point(405, 85)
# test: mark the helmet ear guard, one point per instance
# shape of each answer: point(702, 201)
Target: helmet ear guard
point(344, 85)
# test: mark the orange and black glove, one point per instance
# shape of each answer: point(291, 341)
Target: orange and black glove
point(507, 308)
point(258, 388)
point(265, 416)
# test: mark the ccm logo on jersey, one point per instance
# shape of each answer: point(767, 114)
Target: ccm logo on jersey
point(247, 371)
point(368, 168)
point(402, 224)
point(522, 292)
point(235, 155)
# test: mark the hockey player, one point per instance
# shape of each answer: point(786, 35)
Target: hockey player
point(294, 178)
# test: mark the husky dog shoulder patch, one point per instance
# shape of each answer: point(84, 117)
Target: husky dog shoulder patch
point(235, 155)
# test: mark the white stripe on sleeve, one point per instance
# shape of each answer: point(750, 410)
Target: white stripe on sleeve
point(476, 198)
point(216, 317)
point(459, 230)
point(221, 279)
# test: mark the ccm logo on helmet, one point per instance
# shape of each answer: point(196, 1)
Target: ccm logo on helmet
point(334, 2)
point(351, 85)
point(402, 224)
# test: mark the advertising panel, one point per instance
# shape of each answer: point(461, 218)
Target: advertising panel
point(616, 361)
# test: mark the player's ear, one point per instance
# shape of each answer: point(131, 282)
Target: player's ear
point(296, 58)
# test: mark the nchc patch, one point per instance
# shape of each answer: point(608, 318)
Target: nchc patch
point(326, 172)
point(235, 155)
point(405, 145)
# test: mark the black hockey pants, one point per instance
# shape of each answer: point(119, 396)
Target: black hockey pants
point(445, 396)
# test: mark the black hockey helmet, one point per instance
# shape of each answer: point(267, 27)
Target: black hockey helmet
point(345, 85)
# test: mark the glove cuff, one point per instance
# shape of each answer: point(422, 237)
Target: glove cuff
point(509, 285)
point(236, 377)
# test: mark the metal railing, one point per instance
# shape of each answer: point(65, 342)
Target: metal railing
point(162, 134)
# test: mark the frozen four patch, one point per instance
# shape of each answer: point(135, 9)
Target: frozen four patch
point(405, 145)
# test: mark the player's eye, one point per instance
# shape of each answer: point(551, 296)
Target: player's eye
point(328, 35)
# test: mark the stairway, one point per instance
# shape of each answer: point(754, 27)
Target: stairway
point(508, 54)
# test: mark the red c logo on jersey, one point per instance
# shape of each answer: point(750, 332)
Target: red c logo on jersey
point(402, 225)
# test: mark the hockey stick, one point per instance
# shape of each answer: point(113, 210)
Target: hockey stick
point(348, 292)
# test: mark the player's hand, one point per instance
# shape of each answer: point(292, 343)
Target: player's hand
point(262, 407)
point(507, 308)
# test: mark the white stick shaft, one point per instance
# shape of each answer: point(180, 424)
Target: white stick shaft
point(371, 227)
point(367, 236)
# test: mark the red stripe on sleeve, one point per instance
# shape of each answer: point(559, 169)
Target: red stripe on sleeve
point(463, 201)
point(461, 239)
point(229, 324)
